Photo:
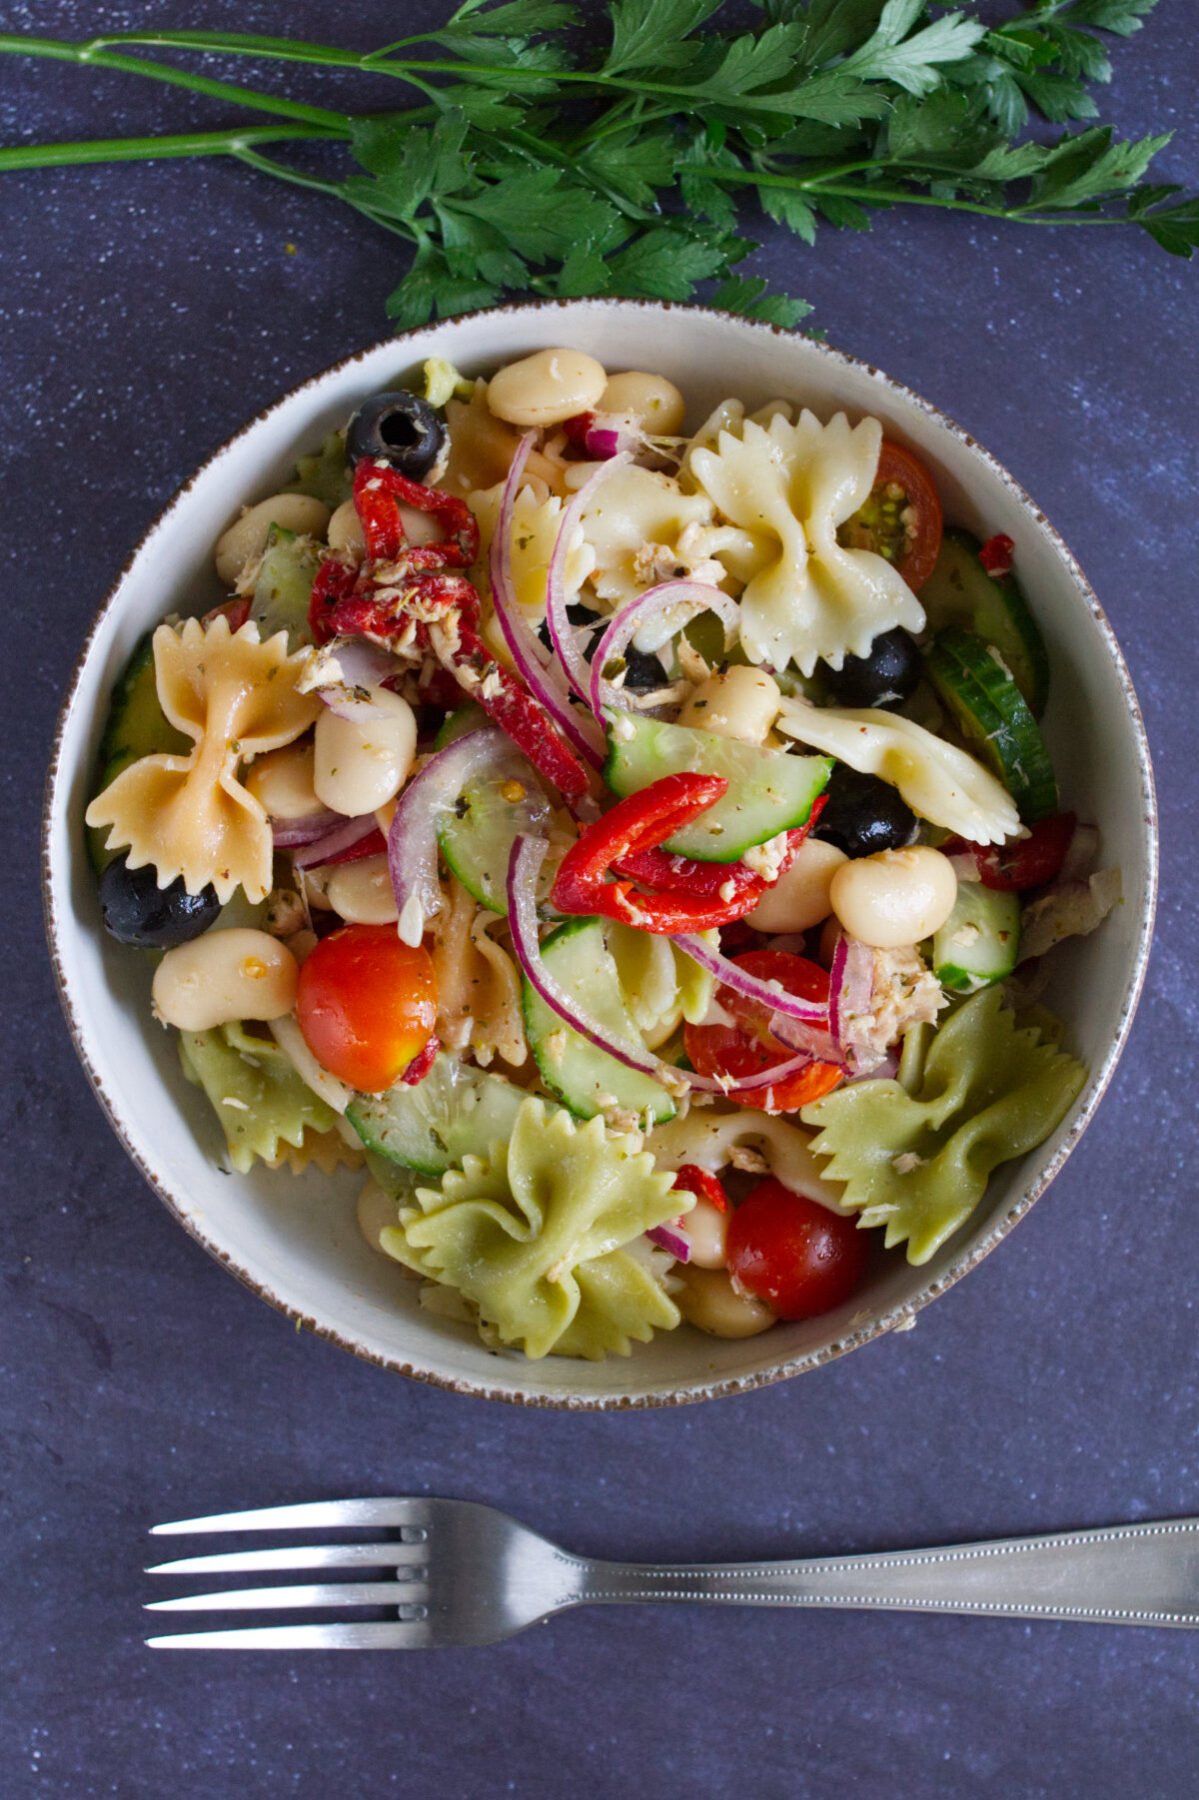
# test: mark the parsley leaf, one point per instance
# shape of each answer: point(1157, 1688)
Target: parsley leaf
point(524, 153)
point(655, 34)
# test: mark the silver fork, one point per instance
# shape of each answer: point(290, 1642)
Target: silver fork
point(466, 1574)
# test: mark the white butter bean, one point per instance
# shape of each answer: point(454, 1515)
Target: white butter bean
point(655, 403)
point(706, 1228)
point(224, 976)
point(361, 892)
point(345, 530)
point(708, 1300)
point(363, 762)
point(742, 702)
point(246, 537)
point(547, 387)
point(896, 897)
point(800, 899)
point(282, 781)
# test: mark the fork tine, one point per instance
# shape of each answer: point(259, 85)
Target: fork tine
point(414, 1636)
point(303, 1556)
point(312, 1515)
point(266, 1599)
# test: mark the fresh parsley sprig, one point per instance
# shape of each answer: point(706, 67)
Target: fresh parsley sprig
point(525, 155)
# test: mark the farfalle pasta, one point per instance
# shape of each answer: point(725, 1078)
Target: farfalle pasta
point(789, 487)
point(644, 889)
point(940, 782)
point(633, 526)
point(478, 984)
point(916, 1159)
point(536, 1236)
point(190, 816)
point(263, 1105)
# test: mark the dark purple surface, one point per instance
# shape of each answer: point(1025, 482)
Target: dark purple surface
point(146, 312)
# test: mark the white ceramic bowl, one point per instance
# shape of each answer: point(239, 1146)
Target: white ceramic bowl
point(295, 1242)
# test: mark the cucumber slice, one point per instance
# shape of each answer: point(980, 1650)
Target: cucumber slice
point(585, 1079)
point(979, 941)
point(959, 592)
point(326, 475)
point(136, 727)
point(476, 840)
point(454, 1112)
point(769, 790)
point(970, 677)
point(283, 589)
point(456, 724)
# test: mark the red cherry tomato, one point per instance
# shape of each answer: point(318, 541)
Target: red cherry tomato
point(913, 545)
point(1028, 862)
point(793, 1253)
point(747, 1047)
point(366, 1005)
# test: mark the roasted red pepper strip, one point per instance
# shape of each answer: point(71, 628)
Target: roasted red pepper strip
point(237, 611)
point(505, 698)
point(421, 1063)
point(450, 602)
point(668, 874)
point(333, 585)
point(997, 554)
point(379, 491)
point(641, 821)
point(704, 1185)
point(410, 599)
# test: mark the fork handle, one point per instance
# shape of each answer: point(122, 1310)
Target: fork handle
point(1145, 1574)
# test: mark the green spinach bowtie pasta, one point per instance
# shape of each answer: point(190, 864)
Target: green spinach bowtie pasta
point(627, 837)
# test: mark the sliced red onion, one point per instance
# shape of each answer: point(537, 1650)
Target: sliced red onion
point(344, 703)
point(532, 659)
point(359, 663)
point(612, 434)
point(851, 985)
point(885, 1070)
point(771, 995)
point(524, 867)
point(808, 1038)
point(602, 441)
point(344, 835)
point(291, 834)
point(412, 839)
point(696, 596)
point(673, 1238)
point(569, 650)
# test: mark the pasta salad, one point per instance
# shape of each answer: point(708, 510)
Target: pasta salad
point(627, 839)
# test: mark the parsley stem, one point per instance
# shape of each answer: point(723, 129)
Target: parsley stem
point(868, 193)
point(58, 51)
point(334, 189)
point(138, 149)
point(505, 77)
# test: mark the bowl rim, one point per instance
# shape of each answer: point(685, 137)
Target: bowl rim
point(900, 1316)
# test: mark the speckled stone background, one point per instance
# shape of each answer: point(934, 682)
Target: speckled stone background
point(146, 312)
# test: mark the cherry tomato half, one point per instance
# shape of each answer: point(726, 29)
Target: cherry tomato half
point(793, 1253)
point(1028, 862)
point(747, 1048)
point(366, 1004)
point(913, 544)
